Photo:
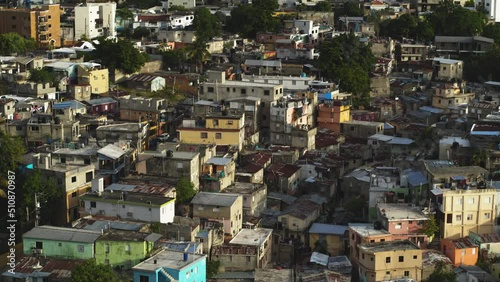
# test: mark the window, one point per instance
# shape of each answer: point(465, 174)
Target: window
point(35, 128)
point(204, 135)
point(107, 248)
point(486, 215)
point(473, 251)
point(63, 160)
point(73, 179)
point(401, 258)
point(388, 260)
point(407, 273)
point(210, 90)
point(127, 248)
point(88, 176)
point(449, 218)
point(469, 217)
point(218, 135)
point(39, 245)
point(458, 217)
point(398, 226)
point(387, 273)
point(243, 91)
point(93, 204)
point(73, 195)
point(266, 92)
point(460, 201)
point(81, 248)
point(363, 256)
point(227, 89)
point(248, 259)
point(229, 122)
point(415, 257)
point(471, 201)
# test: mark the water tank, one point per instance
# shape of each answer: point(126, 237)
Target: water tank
point(185, 256)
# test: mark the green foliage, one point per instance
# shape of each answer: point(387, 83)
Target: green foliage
point(120, 54)
point(323, 6)
point(247, 20)
point(141, 32)
point(184, 190)
point(12, 151)
point(124, 14)
point(13, 43)
point(480, 68)
point(492, 31)
point(42, 76)
point(454, 20)
point(356, 206)
point(174, 58)
point(198, 53)
point(212, 268)
point(178, 8)
point(441, 274)
point(407, 26)
point(351, 9)
point(90, 271)
point(479, 158)
point(345, 60)
point(50, 196)
point(431, 228)
point(206, 25)
point(155, 227)
point(470, 3)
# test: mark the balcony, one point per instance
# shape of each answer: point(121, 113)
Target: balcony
point(42, 20)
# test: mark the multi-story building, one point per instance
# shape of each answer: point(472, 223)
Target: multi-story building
point(461, 211)
point(252, 109)
point(144, 109)
point(250, 249)
point(361, 129)
point(456, 45)
point(424, 6)
point(74, 179)
point(292, 123)
point(217, 174)
point(95, 77)
point(42, 24)
point(298, 217)
point(134, 133)
point(224, 208)
point(332, 113)
point(94, 20)
point(188, 4)
point(360, 233)
point(254, 197)
point(449, 96)
point(448, 174)
point(220, 128)
point(412, 52)
point(218, 88)
point(447, 69)
point(290, 83)
point(383, 261)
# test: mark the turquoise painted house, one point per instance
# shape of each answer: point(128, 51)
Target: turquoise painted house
point(169, 266)
point(124, 249)
point(60, 242)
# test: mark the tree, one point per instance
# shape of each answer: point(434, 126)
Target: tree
point(11, 150)
point(90, 271)
point(212, 268)
point(41, 76)
point(431, 228)
point(323, 6)
point(120, 54)
point(492, 31)
point(198, 53)
point(247, 20)
point(13, 43)
point(345, 60)
point(441, 274)
point(184, 190)
point(407, 26)
point(174, 58)
point(206, 25)
point(124, 14)
point(141, 32)
point(454, 20)
point(352, 9)
point(178, 8)
point(470, 3)
point(49, 194)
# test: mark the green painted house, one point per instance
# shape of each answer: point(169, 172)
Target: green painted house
point(124, 249)
point(60, 242)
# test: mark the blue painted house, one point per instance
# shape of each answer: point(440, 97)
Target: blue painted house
point(169, 266)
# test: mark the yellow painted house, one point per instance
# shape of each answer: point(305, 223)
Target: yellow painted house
point(98, 79)
point(221, 128)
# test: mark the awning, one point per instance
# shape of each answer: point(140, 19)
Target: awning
point(457, 178)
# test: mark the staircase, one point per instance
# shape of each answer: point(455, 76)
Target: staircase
point(169, 277)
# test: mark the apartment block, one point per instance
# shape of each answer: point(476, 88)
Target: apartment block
point(361, 233)
point(390, 260)
point(41, 24)
point(94, 20)
point(449, 96)
point(447, 69)
point(332, 113)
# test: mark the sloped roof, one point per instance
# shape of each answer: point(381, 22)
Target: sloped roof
point(331, 229)
point(214, 199)
point(62, 234)
point(111, 151)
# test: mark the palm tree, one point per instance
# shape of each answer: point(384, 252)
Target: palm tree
point(198, 53)
point(124, 14)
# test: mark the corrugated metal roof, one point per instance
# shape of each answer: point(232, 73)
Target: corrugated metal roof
point(153, 237)
point(214, 199)
point(416, 178)
point(142, 77)
point(100, 101)
point(219, 161)
point(111, 151)
point(321, 228)
point(68, 104)
point(263, 63)
point(62, 234)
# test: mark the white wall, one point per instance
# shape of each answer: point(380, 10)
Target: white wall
point(165, 214)
point(289, 82)
point(188, 4)
point(493, 8)
point(86, 16)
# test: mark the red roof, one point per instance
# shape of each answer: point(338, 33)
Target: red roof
point(286, 170)
point(259, 159)
point(377, 3)
point(154, 18)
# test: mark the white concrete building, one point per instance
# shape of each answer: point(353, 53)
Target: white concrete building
point(127, 205)
point(307, 27)
point(493, 8)
point(95, 19)
point(188, 4)
point(291, 83)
